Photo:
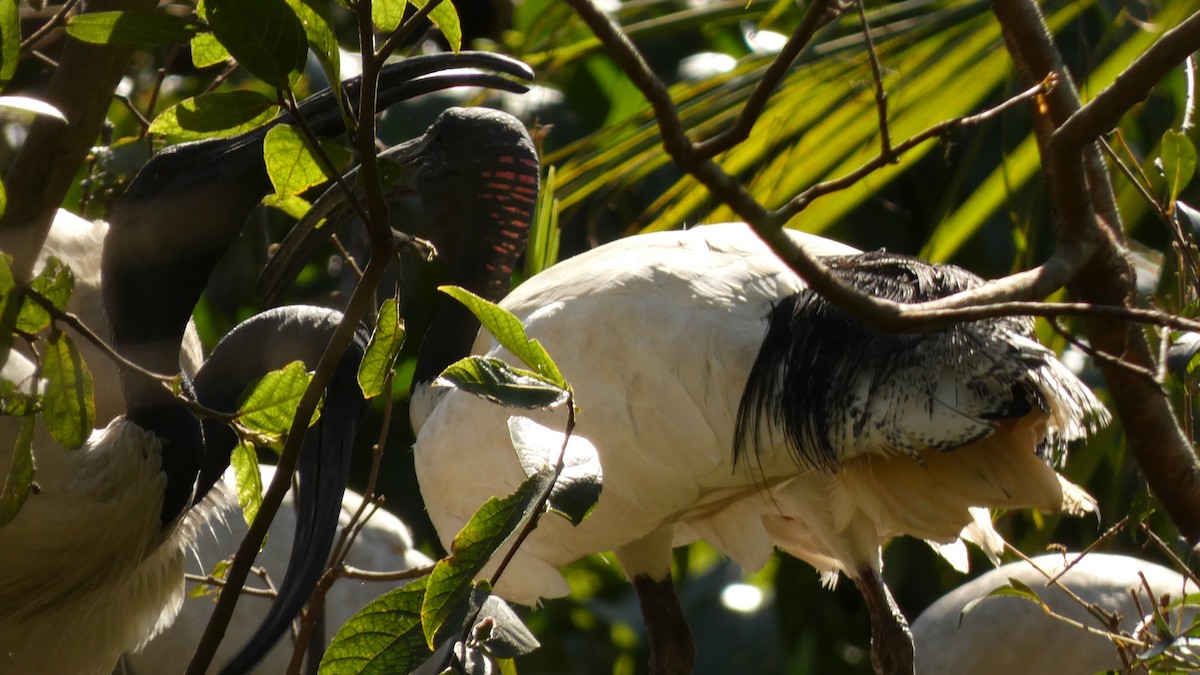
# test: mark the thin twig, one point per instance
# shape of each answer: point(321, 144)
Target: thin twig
point(885, 141)
point(59, 18)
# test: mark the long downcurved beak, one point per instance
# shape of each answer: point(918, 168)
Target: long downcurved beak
point(263, 343)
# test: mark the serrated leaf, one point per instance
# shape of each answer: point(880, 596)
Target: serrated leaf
point(270, 403)
point(314, 15)
point(382, 638)
point(19, 481)
point(451, 581)
point(578, 488)
point(265, 36)
point(383, 350)
point(387, 14)
point(244, 461)
point(217, 115)
point(1178, 162)
point(27, 108)
point(509, 332)
point(207, 51)
point(132, 28)
point(67, 405)
point(294, 206)
point(10, 40)
point(500, 383)
point(291, 164)
point(55, 282)
point(445, 18)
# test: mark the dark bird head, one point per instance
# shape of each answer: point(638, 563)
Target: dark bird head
point(182, 212)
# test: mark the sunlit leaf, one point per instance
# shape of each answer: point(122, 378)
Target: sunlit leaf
point(216, 115)
point(496, 381)
point(452, 578)
point(19, 481)
point(314, 15)
point(387, 14)
point(55, 282)
point(67, 405)
point(10, 40)
point(382, 351)
point(244, 461)
point(294, 206)
point(270, 403)
point(445, 17)
point(27, 108)
point(291, 164)
point(382, 638)
point(1178, 162)
point(132, 28)
point(207, 51)
point(509, 332)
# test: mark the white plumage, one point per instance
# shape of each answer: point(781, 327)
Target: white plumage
point(659, 333)
point(1013, 635)
point(384, 544)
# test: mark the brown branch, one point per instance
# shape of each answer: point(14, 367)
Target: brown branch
point(1086, 213)
point(817, 15)
point(885, 140)
point(59, 18)
point(252, 542)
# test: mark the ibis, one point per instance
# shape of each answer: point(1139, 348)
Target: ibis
point(728, 402)
point(92, 565)
point(1014, 634)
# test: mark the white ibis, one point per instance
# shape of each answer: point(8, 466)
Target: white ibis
point(92, 566)
point(383, 544)
point(730, 404)
point(1014, 635)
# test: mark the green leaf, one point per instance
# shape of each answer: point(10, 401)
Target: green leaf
point(219, 570)
point(542, 251)
point(498, 382)
point(318, 27)
point(578, 488)
point(445, 17)
point(244, 461)
point(132, 28)
point(55, 283)
point(509, 332)
point(452, 578)
point(67, 406)
point(216, 115)
point(387, 14)
point(207, 51)
point(1015, 589)
point(270, 403)
point(294, 206)
point(1178, 162)
point(16, 402)
point(25, 108)
point(265, 36)
point(382, 638)
point(382, 351)
point(3, 194)
point(10, 40)
point(19, 482)
point(291, 163)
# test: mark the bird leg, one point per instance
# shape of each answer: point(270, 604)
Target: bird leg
point(891, 640)
point(672, 651)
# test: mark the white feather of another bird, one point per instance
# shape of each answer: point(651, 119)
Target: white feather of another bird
point(385, 543)
point(1014, 635)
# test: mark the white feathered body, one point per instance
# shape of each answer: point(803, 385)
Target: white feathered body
point(1011, 635)
point(384, 544)
point(86, 569)
point(657, 334)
